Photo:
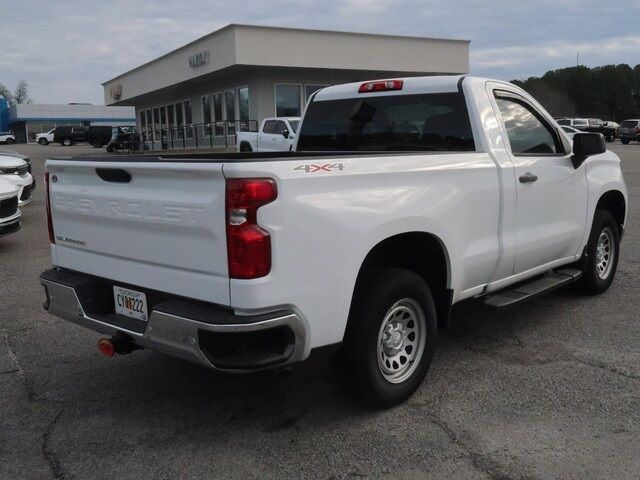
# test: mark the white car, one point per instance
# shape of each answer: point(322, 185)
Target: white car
point(7, 137)
point(45, 138)
point(16, 171)
point(570, 131)
point(400, 199)
point(9, 212)
point(276, 134)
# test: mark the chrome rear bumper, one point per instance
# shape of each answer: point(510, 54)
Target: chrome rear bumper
point(180, 328)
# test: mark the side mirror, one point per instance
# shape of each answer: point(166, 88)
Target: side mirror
point(285, 133)
point(585, 145)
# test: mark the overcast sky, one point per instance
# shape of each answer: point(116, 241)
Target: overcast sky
point(65, 49)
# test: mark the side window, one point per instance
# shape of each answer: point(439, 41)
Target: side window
point(528, 133)
point(281, 127)
point(564, 121)
point(269, 126)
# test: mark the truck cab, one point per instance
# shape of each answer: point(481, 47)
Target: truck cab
point(275, 134)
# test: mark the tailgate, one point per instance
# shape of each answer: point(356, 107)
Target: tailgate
point(163, 229)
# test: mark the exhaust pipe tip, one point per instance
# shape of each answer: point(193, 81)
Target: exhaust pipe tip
point(106, 347)
point(119, 343)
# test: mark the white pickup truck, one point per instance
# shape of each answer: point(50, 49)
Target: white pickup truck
point(401, 198)
point(275, 135)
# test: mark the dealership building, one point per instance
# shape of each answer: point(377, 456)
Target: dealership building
point(26, 120)
point(202, 93)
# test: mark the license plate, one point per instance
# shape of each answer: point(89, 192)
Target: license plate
point(130, 303)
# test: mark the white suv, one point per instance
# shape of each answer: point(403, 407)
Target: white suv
point(45, 138)
point(7, 137)
point(15, 170)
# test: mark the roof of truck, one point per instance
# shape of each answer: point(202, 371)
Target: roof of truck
point(411, 85)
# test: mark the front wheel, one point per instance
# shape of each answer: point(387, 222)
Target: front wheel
point(625, 141)
point(97, 142)
point(66, 142)
point(44, 142)
point(390, 337)
point(9, 141)
point(603, 251)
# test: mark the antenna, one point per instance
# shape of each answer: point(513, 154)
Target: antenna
point(578, 59)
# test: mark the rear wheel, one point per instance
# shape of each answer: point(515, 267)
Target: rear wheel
point(602, 254)
point(66, 142)
point(625, 141)
point(390, 338)
point(9, 141)
point(97, 142)
point(43, 141)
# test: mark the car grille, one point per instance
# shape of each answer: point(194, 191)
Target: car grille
point(22, 170)
point(26, 193)
point(8, 207)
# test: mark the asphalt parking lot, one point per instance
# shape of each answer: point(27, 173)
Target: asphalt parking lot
point(549, 389)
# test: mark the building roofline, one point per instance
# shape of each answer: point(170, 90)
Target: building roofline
point(270, 27)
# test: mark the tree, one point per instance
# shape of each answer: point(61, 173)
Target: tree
point(21, 94)
point(610, 92)
point(6, 93)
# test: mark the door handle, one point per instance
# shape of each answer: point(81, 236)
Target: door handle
point(528, 178)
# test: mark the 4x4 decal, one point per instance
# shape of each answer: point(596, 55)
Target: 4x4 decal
point(327, 167)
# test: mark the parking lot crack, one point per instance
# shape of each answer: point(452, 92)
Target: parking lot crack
point(480, 462)
point(49, 455)
point(16, 367)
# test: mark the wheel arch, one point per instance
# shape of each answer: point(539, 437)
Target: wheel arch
point(422, 253)
point(614, 202)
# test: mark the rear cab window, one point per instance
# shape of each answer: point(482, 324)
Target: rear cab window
point(417, 122)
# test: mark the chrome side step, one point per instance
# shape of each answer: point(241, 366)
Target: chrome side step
point(539, 285)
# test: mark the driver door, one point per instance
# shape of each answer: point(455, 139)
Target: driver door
point(551, 193)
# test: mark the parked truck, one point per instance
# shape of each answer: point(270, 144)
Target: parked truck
point(401, 198)
point(97, 136)
point(274, 135)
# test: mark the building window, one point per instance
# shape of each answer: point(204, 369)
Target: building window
point(179, 120)
point(217, 113)
point(143, 121)
point(310, 90)
point(156, 123)
point(188, 118)
point(288, 100)
point(171, 121)
point(243, 104)
point(230, 110)
point(206, 114)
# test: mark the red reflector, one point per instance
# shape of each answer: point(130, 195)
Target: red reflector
point(381, 86)
point(52, 238)
point(106, 347)
point(248, 245)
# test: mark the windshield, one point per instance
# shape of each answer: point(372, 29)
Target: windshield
point(427, 122)
point(294, 125)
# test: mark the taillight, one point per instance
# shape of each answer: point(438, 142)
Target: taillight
point(637, 129)
point(52, 237)
point(248, 245)
point(381, 86)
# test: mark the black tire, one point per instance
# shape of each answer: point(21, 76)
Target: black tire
point(44, 142)
point(66, 142)
point(9, 141)
point(245, 147)
point(377, 295)
point(109, 148)
point(594, 279)
point(97, 142)
point(625, 141)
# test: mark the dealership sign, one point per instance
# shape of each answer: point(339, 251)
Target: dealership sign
point(200, 58)
point(116, 91)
